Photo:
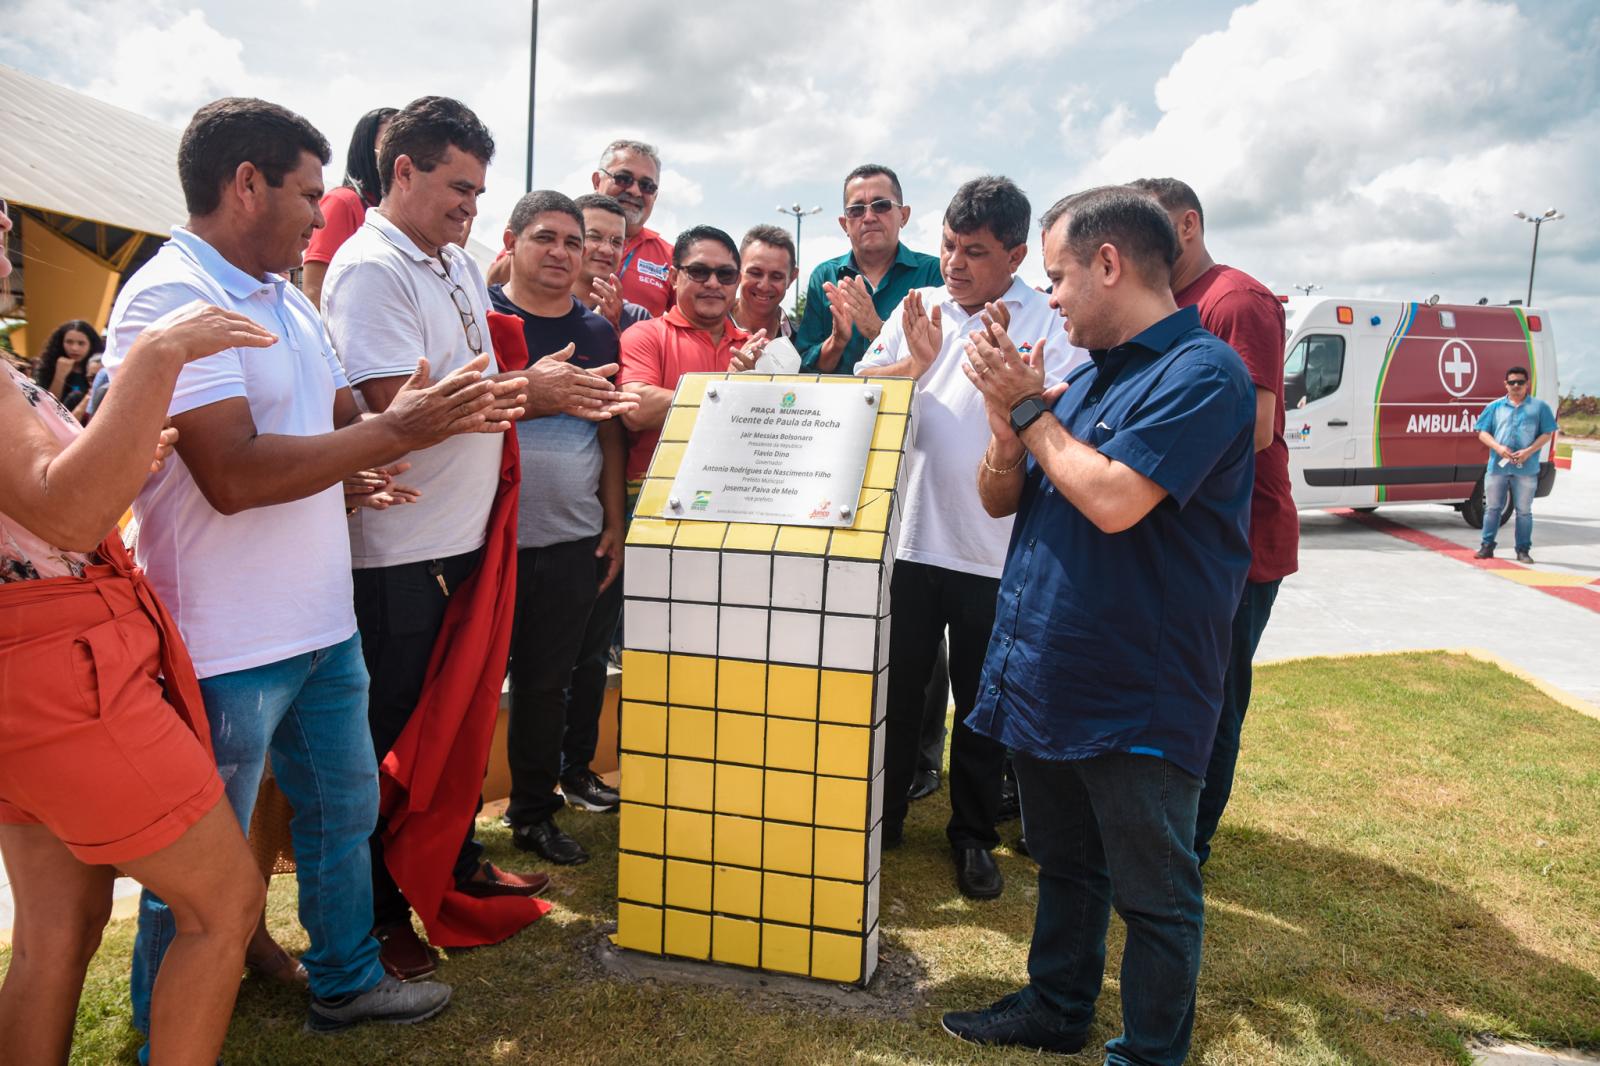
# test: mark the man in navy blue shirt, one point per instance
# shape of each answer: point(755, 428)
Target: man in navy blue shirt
point(1129, 552)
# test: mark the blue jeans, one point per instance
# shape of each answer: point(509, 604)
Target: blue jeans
point(1249, 621)
point(310, 713)
point(1521, 489)
point(1115, 831)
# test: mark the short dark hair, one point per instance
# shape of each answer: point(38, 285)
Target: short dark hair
point(1174, 195)
point(241, 129)
point(872, 170)
point(540, 202)
point(361, 158)
point(425, 129)
point(1514, 370)
point(601, 202)
point(991, 201)
point(1127, 219)
point(776, 236)
point(695, 234)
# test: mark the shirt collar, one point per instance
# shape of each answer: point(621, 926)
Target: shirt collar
point(236, 282)
point(1014, 295)
point(1158, 336)
point(397, 237)
point(903, 256)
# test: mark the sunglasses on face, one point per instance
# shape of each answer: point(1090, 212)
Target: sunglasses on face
point(699, 273)
point(1516, 383)
point(625, 180)
point(879, 207)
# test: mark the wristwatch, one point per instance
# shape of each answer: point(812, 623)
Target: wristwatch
point(1027, 413)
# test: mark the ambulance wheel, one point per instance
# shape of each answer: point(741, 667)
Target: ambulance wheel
point(1472, 508)
point(1363, 510)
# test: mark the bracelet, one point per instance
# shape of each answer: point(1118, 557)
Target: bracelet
point(1000, 473)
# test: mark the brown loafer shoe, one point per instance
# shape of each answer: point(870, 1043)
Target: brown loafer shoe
point(493, 881)
point(403, 953)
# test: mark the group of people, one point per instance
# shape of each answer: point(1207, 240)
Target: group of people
point(357, 508)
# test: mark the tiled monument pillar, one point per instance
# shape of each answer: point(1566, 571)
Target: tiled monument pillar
point(754, 682)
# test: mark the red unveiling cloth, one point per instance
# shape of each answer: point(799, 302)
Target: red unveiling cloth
point(432, 779)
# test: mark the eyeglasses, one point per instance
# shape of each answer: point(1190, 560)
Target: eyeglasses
point(599, 241)
point(1516, 383)
point(469, 319)
point(699, 273)
point(628, 181)
point(879, 207)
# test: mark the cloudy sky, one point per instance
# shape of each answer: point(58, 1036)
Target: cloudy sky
point(1373, 147)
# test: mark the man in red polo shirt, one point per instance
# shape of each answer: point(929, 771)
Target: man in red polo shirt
point(1245, 314)
point(629, 172)
point(695, 336)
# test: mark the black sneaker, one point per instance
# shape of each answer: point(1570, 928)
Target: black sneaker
point(1014, 1021)
point(1485, 551)
point(924, 784)
point(547, 840)
point(583, 788)
point(390, 1000)
point(1525, 558)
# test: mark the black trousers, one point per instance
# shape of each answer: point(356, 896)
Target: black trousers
point(556, 588)
point(930, 750)
point(927, 600)
point(399, 610)
point(586, 697)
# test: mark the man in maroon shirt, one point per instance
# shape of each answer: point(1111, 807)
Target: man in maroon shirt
point(1240, 310)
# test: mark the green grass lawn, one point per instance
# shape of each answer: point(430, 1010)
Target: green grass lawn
point(1410, 860)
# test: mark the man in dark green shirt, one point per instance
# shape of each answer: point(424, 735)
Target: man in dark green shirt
point(848, 298)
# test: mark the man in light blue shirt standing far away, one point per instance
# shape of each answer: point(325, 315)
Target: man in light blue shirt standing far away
point(1515, 429)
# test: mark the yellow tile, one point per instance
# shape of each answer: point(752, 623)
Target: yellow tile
point(802, 377)
point(687, 935)
point(846, 697)
point(882, 467)
point(746, 376)
point(644, 727)
point(638, 928)
point(792, 744)
point(651, 531)
point(700, 534)
point(786, 898)
point(644, 676)
point(653, 498)
point(692, 388)
point(689, 835)
point(688, 885)
point(740, 737)
point(787, 847)
point(638, 878)
point(889, 432)
point(641, 829)
point(839, 905)
point(804, 540)
point(857, 544)
point(833, 957)
point(872, 512)
point(739, 790)
point(743, 686)
point(737, 840)
point(785, 948)
point(747, 536)
point(644, 778)
point(679, 423)
point(689, 784)
point(692, 680)
point(896, 399)
point(841, 803)
point(668, 458)
point(691, 732)
point(736, 891)
point(841, 854)
point(792, 691)
point(735, 942)
point(788, 796)
point(843, 750)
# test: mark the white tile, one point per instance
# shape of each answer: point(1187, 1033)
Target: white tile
point(869, 964)
point(880, 697)
point(854, 587)
point(884, 603)
point(879, 732)
point(644, 625)
point(869, 917)
point(645, 572)
point(883, 643)
point(797, 582)
point(875, 801)
point(848, 642)
point(747, 578)
point(741, 632)
point(796, 637)
point(874, 852)
point(694, 575)
point(694, 628)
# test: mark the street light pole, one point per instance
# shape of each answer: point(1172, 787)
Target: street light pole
point(533, 61)
point(1537, 220)
point(797, 212)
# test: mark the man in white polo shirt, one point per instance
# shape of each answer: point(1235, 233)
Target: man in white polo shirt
point(948, 563)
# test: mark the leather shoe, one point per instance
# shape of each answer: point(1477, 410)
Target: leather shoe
point(490, 880)
point(923, 785)
point(976, 874)
point(1485, 551)
point(548, 841)
point(403, 953)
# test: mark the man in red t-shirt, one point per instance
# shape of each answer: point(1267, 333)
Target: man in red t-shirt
point(629, 172)
point(1245, 314)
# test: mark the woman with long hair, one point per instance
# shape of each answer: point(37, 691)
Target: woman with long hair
point(344, 208)
point(105, 761)
point(60, 368)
